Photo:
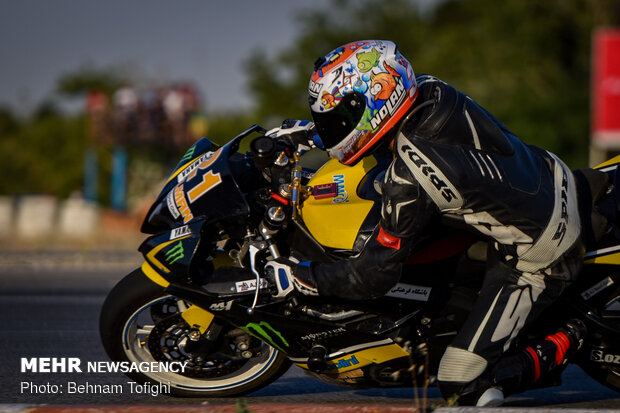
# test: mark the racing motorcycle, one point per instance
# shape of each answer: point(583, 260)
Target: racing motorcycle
point(202, 296)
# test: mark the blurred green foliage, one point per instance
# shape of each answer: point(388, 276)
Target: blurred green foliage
point(526, 61)
point(42, 154)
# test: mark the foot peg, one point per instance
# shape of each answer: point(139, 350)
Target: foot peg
point(316, 361)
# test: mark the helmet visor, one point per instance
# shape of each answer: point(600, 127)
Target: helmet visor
point(335, 125)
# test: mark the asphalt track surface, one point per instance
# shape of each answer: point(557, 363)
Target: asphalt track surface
point(51, 309)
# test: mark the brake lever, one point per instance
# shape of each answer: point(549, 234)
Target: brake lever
point(253, 251)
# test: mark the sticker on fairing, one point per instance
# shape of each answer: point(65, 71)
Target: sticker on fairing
point(179, 232)
point(597, 288)
point(224, 306)
point(249, 285)
point(171, 206)
point(410, 292)
point(599, 356)
point(181, 203)
point(192, 167)
point(342, 195)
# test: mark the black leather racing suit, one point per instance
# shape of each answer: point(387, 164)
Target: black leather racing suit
point(454, 159)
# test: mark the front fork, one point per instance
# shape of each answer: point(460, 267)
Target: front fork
point(204, 329)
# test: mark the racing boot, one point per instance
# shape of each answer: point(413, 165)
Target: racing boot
point(492, 397)
point(555, 350)
point(539, 365)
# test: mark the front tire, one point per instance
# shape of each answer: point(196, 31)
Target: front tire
point(139, 322)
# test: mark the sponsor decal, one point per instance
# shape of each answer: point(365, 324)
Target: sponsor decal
point(562, 225)
point(321, 335)
point(342, 363)
point(600, 356)
point(314, 88)
point(391, 104)
point(226, 306)
point(410, 292)
point(434, 182)
point(268, 334)
point(194, 165)
point(249, 285)
point(189, 154)
point(175, 253)
point(209, 179)
point(597, 288)
point(352, 376)
point(179, 199)
point(342, 196)
point(171, 206)
point(179, 232)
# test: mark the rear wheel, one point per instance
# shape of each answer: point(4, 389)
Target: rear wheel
point(606, 375)
point(140, 323)
point(600, 357)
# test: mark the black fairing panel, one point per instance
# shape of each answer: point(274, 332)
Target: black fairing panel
point(159, 218)
point(203, 186)
point(173, 252)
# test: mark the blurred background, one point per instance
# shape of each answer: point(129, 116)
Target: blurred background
point(98, 100)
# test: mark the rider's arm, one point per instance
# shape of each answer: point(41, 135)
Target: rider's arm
point(406, 212)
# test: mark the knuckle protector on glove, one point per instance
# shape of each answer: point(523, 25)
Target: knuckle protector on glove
point(282, 277)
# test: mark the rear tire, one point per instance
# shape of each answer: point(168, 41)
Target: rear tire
point(608, 377)
point(137, 308)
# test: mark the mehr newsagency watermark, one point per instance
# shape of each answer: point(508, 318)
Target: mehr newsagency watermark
point(75, 366)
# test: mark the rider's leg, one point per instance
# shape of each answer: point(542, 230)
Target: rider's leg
point(509, 301)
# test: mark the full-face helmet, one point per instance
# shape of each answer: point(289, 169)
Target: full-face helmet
point(357, 93)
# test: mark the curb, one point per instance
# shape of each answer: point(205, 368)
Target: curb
point(520, 410)
point(238, 408)
point(277, 408)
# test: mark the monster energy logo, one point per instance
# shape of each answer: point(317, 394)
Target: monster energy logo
point(189, 154)
point(175, 253)
point(266, 333)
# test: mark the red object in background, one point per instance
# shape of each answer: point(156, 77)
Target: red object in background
point(606, 89)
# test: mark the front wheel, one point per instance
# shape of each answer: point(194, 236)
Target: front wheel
point(140, 323)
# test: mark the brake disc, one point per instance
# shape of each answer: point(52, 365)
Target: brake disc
point(168, 341)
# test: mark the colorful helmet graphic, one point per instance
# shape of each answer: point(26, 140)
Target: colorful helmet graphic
point(357, 93)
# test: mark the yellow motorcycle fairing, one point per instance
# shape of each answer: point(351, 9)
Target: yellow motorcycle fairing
point(354, 360)
point(335, 222)
point(610, 162)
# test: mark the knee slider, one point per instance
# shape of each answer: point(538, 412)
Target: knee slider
point(461, 366)
point(460, 374)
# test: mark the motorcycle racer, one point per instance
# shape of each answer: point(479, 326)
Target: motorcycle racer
point(455, 162)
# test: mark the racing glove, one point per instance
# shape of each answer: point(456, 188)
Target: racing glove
point(289, 276)
point(300, 134)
